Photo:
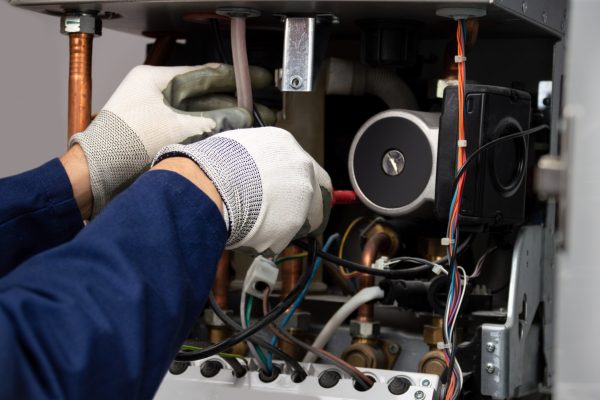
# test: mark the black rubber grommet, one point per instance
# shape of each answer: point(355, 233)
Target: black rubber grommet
point(329, 378)
point(210, 368)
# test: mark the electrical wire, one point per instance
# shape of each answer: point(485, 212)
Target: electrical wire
point(366, 295)
point(359, 377)
point(343, 245)
point(281, 260)
point(291, 362)
point(256, 352)
point(273, 315)
point(481, 262)
point(386, 273)
point(233, 360)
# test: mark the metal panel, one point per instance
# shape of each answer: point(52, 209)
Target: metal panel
point(509, 352)
point(192, 385)
point(548, 14)
point(578, 272)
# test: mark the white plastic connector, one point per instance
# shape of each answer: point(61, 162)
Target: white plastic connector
point(262, 273)
point(381, 263)
point(447, 241)
point(462, 143)
point(443, 346)
point(460, 59)
point(438, 269)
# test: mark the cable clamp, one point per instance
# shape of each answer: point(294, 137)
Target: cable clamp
point(460, 59)
point(438, 269)
point(462, 143)
point(447, 241)
point(444, 346)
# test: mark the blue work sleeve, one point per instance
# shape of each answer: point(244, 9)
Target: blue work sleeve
point(102, 316)
point(37, 212)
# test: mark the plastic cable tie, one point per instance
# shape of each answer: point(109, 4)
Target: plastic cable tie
point(460, 59)
point(462, 143)
point(443, 346)
point(447, 241)
point(381, 263)
point(438, 269)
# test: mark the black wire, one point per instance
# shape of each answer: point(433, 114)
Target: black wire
point(272, 316)
point(257, 118)
point(238, 369)
point(491, 144)
point(256, 340)
point(391, 274)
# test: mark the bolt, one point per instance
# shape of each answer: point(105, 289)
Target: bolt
point(425, 383)
point(419, 395)
point(544, 17)
point(393, 348)
point(393, 162)
point(490, 368)
point(490, 347)
point(524, 7)
point(296, 82)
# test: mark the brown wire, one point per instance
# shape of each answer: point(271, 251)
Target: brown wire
point(351, 370)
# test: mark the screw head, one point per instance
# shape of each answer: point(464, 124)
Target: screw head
point(419, 395)
point(426, 382)
point(490, 368)
point(490, 347)
point(296, 82)
point(524, 6)
point(393, 162)
point(393, 348)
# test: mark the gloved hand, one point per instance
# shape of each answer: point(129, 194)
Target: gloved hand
point(272, 190)
point(154, 107)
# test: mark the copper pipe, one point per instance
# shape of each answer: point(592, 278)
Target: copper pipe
point(376, 244)
point(290, 271)
point(222, 280)
point(80, 82)
point(161, 50)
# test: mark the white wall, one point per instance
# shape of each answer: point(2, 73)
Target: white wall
point(33, 83)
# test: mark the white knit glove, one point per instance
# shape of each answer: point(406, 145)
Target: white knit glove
point(149, 110)
point(273, 191)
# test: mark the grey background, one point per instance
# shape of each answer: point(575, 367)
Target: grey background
point(34, 66)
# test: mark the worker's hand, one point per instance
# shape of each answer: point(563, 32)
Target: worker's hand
point(155, 107)
point(273, 191)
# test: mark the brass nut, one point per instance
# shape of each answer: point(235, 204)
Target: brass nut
point(211, 319)
point(365, 355)
point(365, 330)
point(81, 23)
point(299, 321)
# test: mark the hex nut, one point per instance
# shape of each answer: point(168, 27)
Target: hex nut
point(81, 23)
point(365, 330)
point(300, 321)
point(211, 319)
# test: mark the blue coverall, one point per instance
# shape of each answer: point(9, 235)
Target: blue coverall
point(99, 312)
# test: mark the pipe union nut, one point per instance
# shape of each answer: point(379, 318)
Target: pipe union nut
point(81, 23)
point(211, 319)
point(300, 321)
point(365, 330)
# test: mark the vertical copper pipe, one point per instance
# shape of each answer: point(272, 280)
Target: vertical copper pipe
point(160, 51)
point(221, 285)
point(375, 245)
point(80, 82)
point(290, 271)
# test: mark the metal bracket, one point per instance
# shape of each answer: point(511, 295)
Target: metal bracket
point(304, 50)
point(509, 352)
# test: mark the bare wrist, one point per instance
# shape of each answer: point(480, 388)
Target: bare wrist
point(76, 167)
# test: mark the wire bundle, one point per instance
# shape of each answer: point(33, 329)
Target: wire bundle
point(458, 284)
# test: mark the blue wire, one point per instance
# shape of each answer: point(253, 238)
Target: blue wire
point(333, 238)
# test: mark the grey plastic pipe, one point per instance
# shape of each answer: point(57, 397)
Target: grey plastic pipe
point(354, 79)
point(240, 63)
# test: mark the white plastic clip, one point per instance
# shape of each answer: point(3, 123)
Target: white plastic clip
point(381, 263)
point(262, 273)
point(438, 269)
point(443, 346)
point(447, 241)
point(460, 59)
point(462, 143)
